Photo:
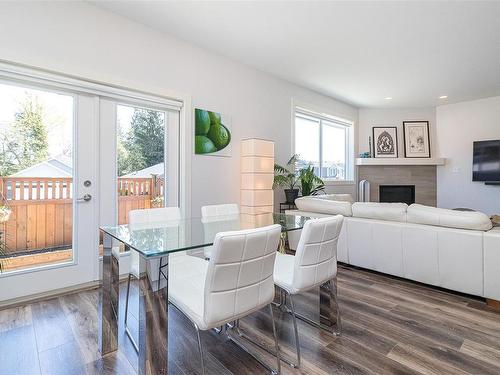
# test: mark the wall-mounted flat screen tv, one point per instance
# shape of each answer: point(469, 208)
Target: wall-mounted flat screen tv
point(486, 161)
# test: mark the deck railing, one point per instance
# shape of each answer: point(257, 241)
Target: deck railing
point(42, 209)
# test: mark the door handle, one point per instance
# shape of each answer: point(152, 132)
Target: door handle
point(85, 198)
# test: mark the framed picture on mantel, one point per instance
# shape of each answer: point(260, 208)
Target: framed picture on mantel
point(416, 139)
point(385, 142)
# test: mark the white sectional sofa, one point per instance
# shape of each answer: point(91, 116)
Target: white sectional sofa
point(455, 250)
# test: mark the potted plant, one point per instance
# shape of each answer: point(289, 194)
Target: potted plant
point(286, 176)
point(310, 183)
point(5, 212)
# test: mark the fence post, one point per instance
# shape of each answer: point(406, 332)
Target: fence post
point(153, 186)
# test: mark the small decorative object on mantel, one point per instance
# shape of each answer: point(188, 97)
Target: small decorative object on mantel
point(385, 142)
point(365, 155)
point(495, 220)
point(416, 139)
point(212, 133)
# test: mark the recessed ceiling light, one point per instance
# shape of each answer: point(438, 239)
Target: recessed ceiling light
point(388, 98)
point(443, 97)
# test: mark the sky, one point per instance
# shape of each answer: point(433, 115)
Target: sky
point(58, 114)
point(124, 115)
point(307, 141)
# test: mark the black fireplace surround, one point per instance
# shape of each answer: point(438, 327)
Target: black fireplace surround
point(397, 193)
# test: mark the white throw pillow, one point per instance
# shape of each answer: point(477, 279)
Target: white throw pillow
point(336, 197)
point(323, 206)
point(380, 211)
point(443, 217)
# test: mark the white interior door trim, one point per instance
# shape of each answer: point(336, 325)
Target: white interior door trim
point(15, 71)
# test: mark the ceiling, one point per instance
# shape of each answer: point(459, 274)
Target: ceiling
point(359, 52)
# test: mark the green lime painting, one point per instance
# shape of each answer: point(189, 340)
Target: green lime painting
point(212, 133)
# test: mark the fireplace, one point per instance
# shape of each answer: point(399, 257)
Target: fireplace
point(397, 193)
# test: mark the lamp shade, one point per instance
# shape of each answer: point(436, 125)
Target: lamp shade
point(257, 175)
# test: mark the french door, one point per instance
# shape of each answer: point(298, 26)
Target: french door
point(49, 153)
point(74, 155)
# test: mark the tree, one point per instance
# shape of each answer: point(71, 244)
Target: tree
point(143, 146)
point(26, 143)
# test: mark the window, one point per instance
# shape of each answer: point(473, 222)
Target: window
point(325, 143)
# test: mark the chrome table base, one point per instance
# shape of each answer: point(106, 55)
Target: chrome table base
point(153, 313)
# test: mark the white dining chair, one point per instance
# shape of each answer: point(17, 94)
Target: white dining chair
point(214, 213)
point(313, 265)
point(144, 218)
point(236, 281)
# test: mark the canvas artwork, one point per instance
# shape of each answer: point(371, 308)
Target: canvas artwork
point(416, 139)
point(385, 142)
point(212, 133)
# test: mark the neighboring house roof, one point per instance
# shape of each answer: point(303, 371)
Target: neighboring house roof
point(157, 169)
point(59, 166)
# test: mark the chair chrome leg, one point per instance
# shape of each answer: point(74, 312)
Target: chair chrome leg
point(282, 300)
point(127, 331)
point(297, 344)
point(126, 298)
point(200, 348)
point(159, 272)
point(329, 310)
point(276, 353)
point(278, 360)
point(334, 290)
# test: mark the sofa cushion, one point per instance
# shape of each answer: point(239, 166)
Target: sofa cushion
point(324, 206)
point(443, 217)
point(380, 211)
point(336, 197)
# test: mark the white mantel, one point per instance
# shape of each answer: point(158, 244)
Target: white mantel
point(400, 161)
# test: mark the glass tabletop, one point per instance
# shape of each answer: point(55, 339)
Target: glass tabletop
point(160, 238)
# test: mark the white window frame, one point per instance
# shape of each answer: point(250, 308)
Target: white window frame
point(348, 125)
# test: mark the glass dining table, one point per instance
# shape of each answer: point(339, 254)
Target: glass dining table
point(152, 241)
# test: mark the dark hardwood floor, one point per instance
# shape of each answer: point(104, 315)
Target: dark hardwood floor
point(390, 326)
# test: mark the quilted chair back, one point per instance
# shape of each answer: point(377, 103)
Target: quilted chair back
point(240, 274)
point(148, 218)
point(220, 210)
point(153, 215)
point(316, 256)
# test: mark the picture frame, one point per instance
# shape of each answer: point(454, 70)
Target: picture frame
point(212, 133)
point(417, 139)
point(385, 141)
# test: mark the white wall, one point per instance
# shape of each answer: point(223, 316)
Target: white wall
point(458, 125)
point(368, 118)
point(82, 40)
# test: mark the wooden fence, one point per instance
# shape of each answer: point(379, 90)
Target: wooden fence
point(42, 209)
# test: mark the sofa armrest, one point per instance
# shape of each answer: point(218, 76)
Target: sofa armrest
point(491, 248)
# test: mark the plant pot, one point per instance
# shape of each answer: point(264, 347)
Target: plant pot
point(291, 195)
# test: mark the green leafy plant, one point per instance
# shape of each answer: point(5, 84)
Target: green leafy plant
point(5, 212)
point(3, 251)
point(310, 183)
point(286, 176)
point(157, 202)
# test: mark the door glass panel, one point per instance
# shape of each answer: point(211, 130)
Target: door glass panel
point(36, 177)
point(140, 158)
